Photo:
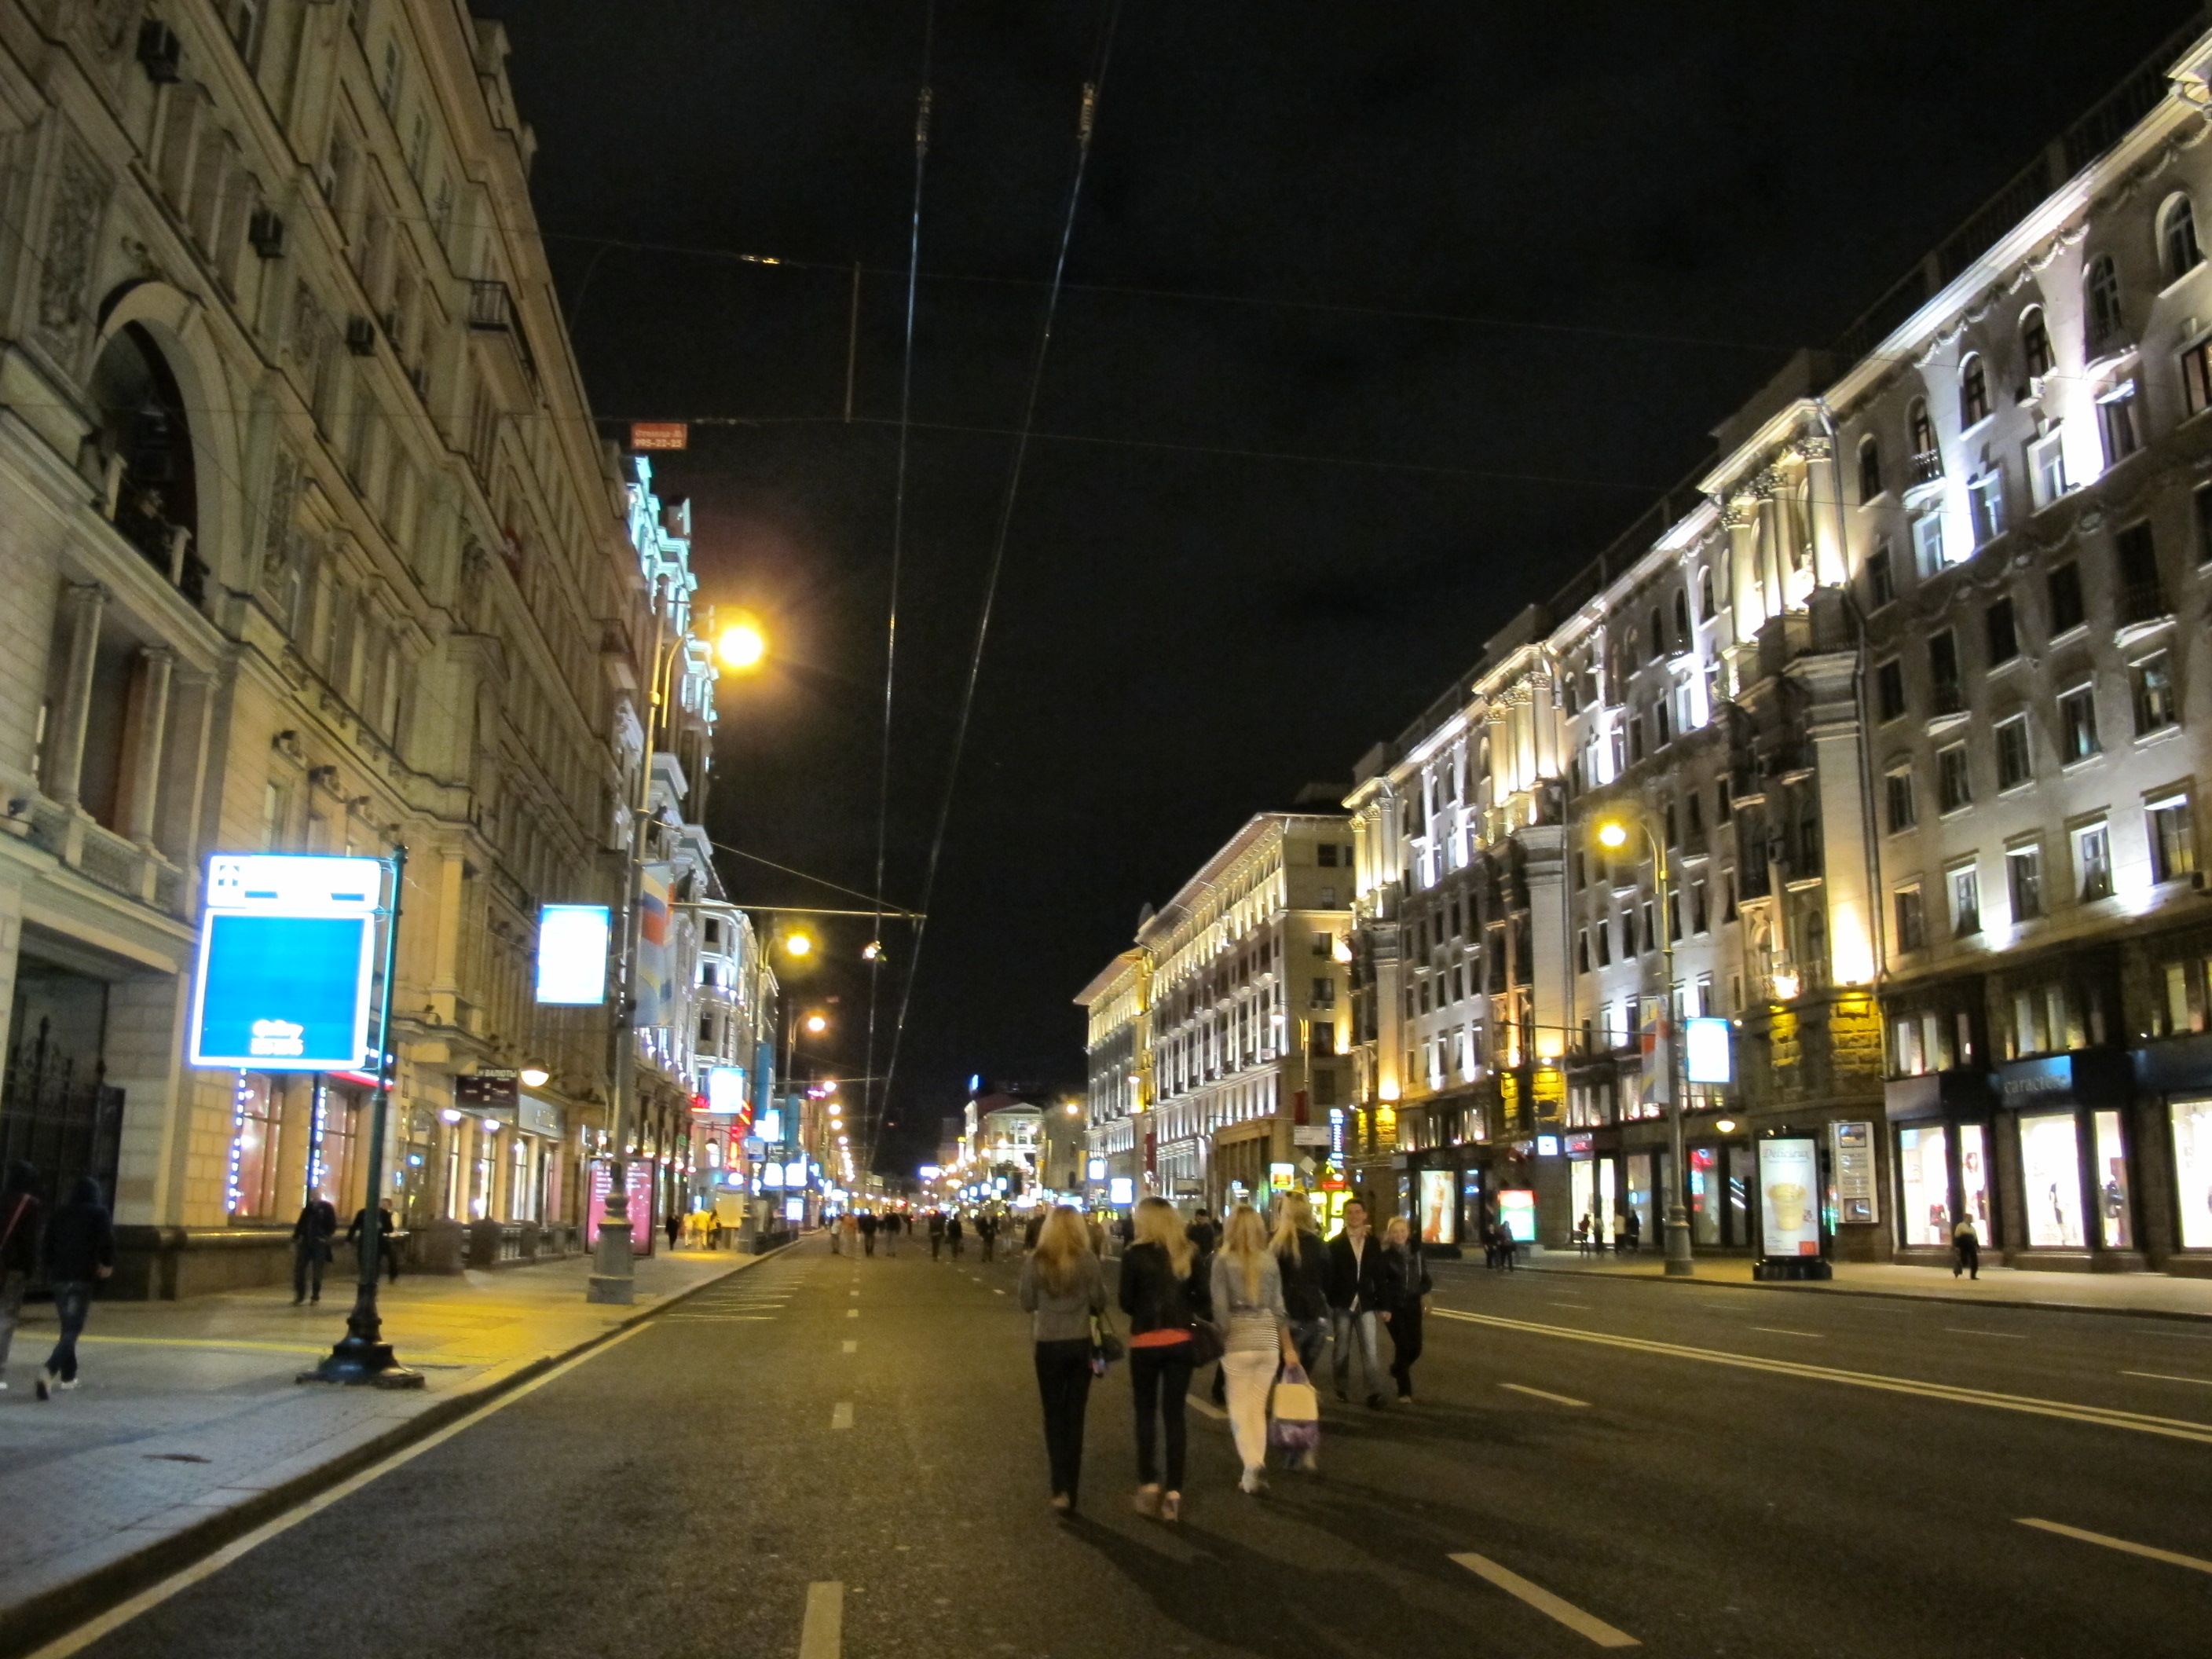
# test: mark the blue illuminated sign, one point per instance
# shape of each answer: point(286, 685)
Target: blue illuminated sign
point(286, 947)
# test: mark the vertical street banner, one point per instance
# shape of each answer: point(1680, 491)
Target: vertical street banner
point(656, 991)
point(1656, 1042)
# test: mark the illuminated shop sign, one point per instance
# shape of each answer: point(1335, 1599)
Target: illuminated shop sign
point(287, 946)
point(572, 954)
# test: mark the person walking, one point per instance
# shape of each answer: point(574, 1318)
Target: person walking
point(1354, 1260)
point(1203, 1233)
point(387, 1244)
point(936, 1234)
point(890, 1227)
point(1162, 1296)
point(952, 1233)
point(1033, 1228)
point(1633, 1233)
point(1403, 1283)
point(674, 1227)
point(20, 1227)
point(986, 1228)
point(79, 1252)
point(1247, 1286)
point(1966, 1247)
point(1061, 1288)
point(311, 1247)
point(869, 1225)
point(1304, 1259)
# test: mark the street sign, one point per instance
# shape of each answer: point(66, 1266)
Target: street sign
point(660, 434)
point(488, 1090)
point(287, 944)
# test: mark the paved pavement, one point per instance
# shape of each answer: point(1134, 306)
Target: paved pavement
point(188, 1413)
point(829, 1457)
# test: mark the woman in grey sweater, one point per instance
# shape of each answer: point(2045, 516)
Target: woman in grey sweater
point(1247, 1299)
point(1062, 1287)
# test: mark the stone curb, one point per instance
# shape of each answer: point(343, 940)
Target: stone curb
point(1833, 1289)
point(51, 1613)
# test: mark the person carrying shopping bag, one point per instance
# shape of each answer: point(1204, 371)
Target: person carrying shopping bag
point(1248, 1296)
point(1063, 1289)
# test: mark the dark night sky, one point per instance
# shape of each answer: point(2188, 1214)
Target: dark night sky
point(1631, 212)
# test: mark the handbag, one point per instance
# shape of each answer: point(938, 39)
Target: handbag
point(1106, 1345)
point(1206, 1343)
point(1295, 1425)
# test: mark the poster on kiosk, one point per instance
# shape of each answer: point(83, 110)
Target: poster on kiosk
point(1789, 1193)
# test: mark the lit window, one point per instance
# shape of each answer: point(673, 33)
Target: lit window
point(2116, 413)
point(1973, 392)
point(1986, 500)
point(2177, 238)
point(2077, 725)
point(1912, 920)
point(1966, 901)
point(2092, 861)
point(2014, 766)
point(2024, 881)
point(2172, 838)
point(1954, 781)
point(1928, 544)
point(2156, 705)
point(2046, 468)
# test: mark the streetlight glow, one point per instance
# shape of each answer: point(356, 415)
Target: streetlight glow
point(797, 944)
point(534, 1075)
point(743, 645)
point(817, 1024)
point(1612, 833)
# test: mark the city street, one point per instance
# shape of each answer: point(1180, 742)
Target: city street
point(824, 1456)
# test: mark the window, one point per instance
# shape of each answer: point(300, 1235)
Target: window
point(2173, 843)
point(2013, 768)
point(1682, 618)
point(1604, 943)
point(246, 27)
point(2024, 881)
point(2141, 598)
point(1998, 630)
point(2064, 587)
point(2177, 253)
point(1928, 544)
point(2203, 502)
point(1912, 920)
point(2077, 725)
point(1675, 915)
point(1869, 469)
point(1698, 915)
point(1628, 933)
point(1582, 951)
point(1696, 804)
point(2035, 343)
point(1881, 581)
point(1889, 689)
point(1705, 606)
point(2197, 374)
point(1325, 854)
point(1943, 672)
point(2092, 861)
point(1973, 392)
point(1662, 724)
point(2116, 414)
point(2046, 468)
point(2156, 707)
point(1898, 790)
point(1673, 825)
point(1324, 993)
point(1927, 461)
point(1324, 945)
point(1965, 902)
point(1954, 785)
point(1985, 503)
point(2101, 289)
point(1724, 802)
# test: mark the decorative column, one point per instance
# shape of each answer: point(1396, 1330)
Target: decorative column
point(1824, 501)
point(1740, 516)
point(65, 772)
point(153, 728)
point(1774, 559)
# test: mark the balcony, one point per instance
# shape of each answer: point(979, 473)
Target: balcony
point(141, 517)
point(1926, 468)
point(2142, 602)
point(491, 311)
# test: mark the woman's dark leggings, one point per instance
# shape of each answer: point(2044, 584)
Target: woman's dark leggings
point(1063, 1372)
point(1405, 1329)
point(1160, 1376)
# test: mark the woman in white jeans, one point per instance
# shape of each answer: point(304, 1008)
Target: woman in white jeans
point(1248, 1300)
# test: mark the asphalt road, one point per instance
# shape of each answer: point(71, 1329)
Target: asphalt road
point(1696, 1470)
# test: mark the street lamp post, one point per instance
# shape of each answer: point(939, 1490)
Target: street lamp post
point(1613, 834)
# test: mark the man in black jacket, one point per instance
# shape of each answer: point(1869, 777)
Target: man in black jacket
point(1354, 1299)
point(79, 1251)
point(311, 1247)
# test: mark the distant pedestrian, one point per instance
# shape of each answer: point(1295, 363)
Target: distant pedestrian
point(1966, 1246)
point(848, 1227)
point(936, 1233)
point(1304, 1259)
point(1354, 1261)
point(1508, 1249)
point(952, 1233)
point(79, 1252)
point(1062, 1287)
point(986, 1228)
point(673, 1227)
point(1095, 1230)
point(387, 1244)
point(1125, 1229)
point(311, 1248)
point(1203, 1233)
point(21, 1224)
point(715, 1231)
point(1582, 1234)
point(1162, 1296)
point(868, 1226)
point(890, 1227)
point(1633, 1233)
point(1036, 1225)
point(1404, 1283)
point(1247, 1287)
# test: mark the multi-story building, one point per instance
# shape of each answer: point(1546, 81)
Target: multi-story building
point(310, 546)
point(1911, 688)
point(1238, 982)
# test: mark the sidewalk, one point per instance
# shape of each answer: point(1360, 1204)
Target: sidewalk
point(190, 1428)
point(2153, 1296)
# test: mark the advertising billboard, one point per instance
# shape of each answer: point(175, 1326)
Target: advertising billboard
point(287, 955)
point(725, 1091)
point(1516, 1214)
point(1439, 1213)
point(572, 954)
point(1706, 1049)
point(1790, 1195)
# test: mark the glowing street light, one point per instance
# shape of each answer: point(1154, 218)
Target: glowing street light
point(799, 944)
point(743, 645)
point(534, 1074)
point(817, 1025)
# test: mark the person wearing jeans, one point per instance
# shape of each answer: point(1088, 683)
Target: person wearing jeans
point(1354, 1299)
point(80, 1251)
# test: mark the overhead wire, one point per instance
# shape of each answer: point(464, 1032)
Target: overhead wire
point(1086, 126)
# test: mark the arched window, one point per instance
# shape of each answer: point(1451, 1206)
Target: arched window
point(1921, 430)
point(1973, 391)
point(2101, 288)
point(2035, 343)
point(1682, 616)
point(2177, 253)
point(1705, 593)
point(1658, 634)
point(1869, 468)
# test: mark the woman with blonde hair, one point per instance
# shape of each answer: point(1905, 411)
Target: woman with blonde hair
point(1304, 1261)
point(1061, 1288)
point(1162, 1297)
point(1248, 1291)
point(1403, 1280)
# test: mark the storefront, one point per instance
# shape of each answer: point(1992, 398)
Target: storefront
point(1941, 1161)
point(2173, 1083)
point(2064, 1131)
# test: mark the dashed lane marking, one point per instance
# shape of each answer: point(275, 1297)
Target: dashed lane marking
point(823, 1634)
point(2099, 1416)
point(2163, 1376)
point(840, 1414)
point(1780, 1330)
point(1544, 1394)
point(852, 1347)
point(852, 1313)
point(1582, 1624)
point(996, 1291)
point(2009, 1336)
point(2147, 1551)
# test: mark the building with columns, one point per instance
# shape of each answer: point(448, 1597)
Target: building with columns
point(1908, 686)
point(310, 546)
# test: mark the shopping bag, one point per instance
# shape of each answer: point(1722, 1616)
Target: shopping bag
point(1295, 1424)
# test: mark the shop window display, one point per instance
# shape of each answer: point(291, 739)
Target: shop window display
point(1974, 1181)
point(1924, 1174)
point(1640, 1192)
point(2116, 1213)
point(1705, 1194)
point(2050, 1175)
point(1740, 1176)
point(2192, 1171)
point(256, 1127)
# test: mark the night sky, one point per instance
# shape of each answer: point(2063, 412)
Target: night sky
point(1381, 322)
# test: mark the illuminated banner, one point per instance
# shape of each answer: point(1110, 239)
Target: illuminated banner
point(660, 434)
point(725, 1091)
point(1439, 1207)
point(656, 994)
point(287, 944)
point(572, 954)
point(1705, 1050)
point(1790, 1188)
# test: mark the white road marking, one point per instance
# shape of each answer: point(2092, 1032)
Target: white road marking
point(855, 1295)
point(840, 1414)
point(1962, 1330)
point(2121, 1544)
point(1582, 1624)
point(2202, 1382)
point(2099, 1416)
point(1777, 1330)
point(1206, 1408)
point(823, 1634)
point(996, 1291)
point(1544, 1394)
point(852, 1347)
point(1570, 1304)
point(852, 1313)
